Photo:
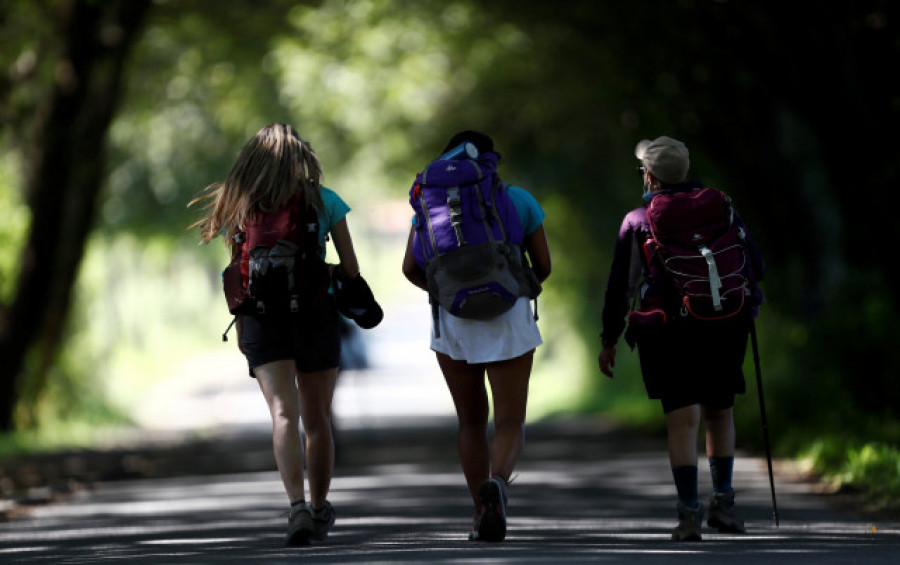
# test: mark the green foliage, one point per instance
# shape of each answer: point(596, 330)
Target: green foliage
point(147, 303)
point(28, 57)
point(14, 225)
point(565, 90)
point(199, 86)
point(871, 468)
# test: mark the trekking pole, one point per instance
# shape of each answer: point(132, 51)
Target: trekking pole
point(762, 415)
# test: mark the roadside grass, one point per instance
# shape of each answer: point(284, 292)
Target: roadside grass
point(872, 469)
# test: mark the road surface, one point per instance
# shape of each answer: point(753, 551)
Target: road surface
point(585, 493)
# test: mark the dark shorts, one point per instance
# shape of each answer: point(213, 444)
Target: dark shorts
point(311, 339)
point(718, 400)
point(685, 363)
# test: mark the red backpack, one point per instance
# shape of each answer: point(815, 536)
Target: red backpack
point(697, 251)
point(275, 265)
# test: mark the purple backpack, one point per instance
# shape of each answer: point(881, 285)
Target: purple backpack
point(697, 247)
point(468, 238)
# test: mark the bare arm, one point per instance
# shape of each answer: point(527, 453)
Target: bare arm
point(343, 244)
point(538, 253)
point(411, 269)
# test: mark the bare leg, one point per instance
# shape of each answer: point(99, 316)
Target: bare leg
point(316, 394)
point(509, 385)
point(466, 385)
point(683, 425)
point(278, 385)
point(720, 436)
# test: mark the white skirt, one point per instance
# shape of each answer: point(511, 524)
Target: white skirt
point(507, 336)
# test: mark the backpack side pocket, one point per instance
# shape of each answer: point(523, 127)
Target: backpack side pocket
point(643, 322)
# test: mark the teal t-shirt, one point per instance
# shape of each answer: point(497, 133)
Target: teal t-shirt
point(528, 208)
point(334, 211)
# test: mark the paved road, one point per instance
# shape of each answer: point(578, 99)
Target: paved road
point(585, 493)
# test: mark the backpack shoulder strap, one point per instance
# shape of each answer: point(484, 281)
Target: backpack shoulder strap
point(307, 225)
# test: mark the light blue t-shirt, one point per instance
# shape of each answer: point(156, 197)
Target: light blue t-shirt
point(334, 211)
point(528, 208)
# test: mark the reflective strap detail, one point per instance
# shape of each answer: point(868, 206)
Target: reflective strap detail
point(715, 283)
point(455, 204)
point(428, 227)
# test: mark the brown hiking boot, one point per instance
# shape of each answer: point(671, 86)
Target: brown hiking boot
point(690, 520)
point(721, 514)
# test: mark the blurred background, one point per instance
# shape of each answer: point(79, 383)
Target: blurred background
point(114, 114)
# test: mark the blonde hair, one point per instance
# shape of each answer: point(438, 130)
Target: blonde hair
point(273, 168)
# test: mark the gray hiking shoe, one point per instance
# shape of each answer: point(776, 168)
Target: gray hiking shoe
point(300, 527)
point(690, 520)
point(490, 523)
point(322, 521)
point(721, 514)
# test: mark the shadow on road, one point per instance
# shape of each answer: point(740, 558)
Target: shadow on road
point(585, 492)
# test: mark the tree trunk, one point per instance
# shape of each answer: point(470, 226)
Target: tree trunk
point(63, 183)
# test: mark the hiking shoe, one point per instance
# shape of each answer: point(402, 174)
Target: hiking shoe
point(476, 524)
point(690, 520)
point(322, 521)
point(300, 527)
point(490, 524)
point(721, 514)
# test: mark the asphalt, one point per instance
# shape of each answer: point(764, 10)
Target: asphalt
point(586, 492)
point(196, 483)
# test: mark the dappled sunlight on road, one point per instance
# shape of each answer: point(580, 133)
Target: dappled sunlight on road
point(570, 511)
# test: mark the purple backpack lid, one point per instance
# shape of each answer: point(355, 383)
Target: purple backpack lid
point(455, 172)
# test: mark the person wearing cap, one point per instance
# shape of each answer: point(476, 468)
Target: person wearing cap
point(501, 347)
point(693, 369)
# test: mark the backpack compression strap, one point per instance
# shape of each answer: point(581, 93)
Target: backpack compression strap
point(715, 281)
point(454, 203)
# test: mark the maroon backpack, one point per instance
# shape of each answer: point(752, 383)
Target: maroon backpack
point(697, 251)
point(275, 265)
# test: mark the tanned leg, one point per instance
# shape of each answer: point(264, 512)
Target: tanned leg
point(466, 385)
point(509, 387)
point(278, 385)
point(316, 394)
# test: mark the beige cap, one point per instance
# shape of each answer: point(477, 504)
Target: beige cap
point(667, 159)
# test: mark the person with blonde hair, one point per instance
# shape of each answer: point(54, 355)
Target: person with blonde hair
point(294, 356)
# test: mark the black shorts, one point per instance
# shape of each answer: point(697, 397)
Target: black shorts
point(718, 400)
point(312, 339)
point(688, 362)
